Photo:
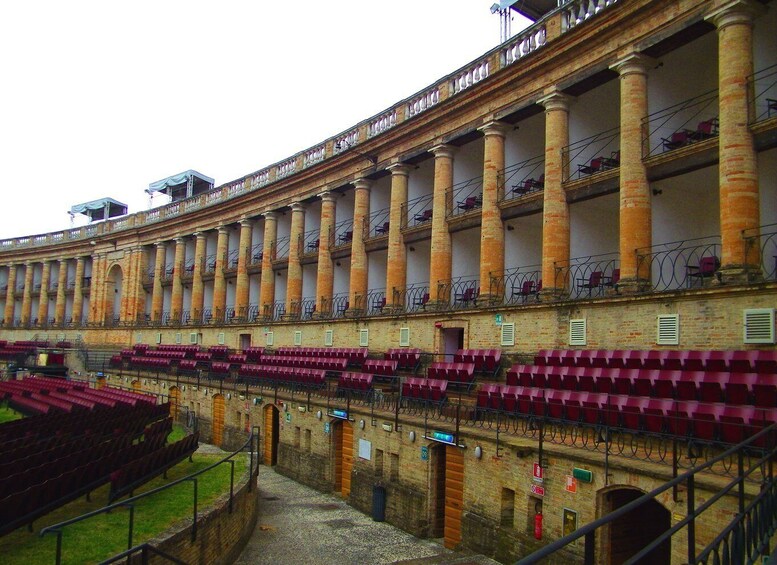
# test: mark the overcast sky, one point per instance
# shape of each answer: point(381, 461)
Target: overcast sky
point(99, 98)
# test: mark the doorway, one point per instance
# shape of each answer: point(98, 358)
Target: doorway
point(636, 529)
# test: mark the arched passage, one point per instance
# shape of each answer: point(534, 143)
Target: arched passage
point(624, 537)
point(271, 435)
point(342, 437)
point(175, 402)
point(113, 294)
point(218, 419)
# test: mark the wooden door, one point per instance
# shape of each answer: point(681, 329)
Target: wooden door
point(347, 450)
point(454, 495)
point(270, 435)
point(174, 398)
point(218, 419)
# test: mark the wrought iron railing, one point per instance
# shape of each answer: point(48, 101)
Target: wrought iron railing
point(684, 123)
point(378, 224)
point(522, 178)
point(281, 248)
point(763, 242)
point(519, 285)
point(209, 265)
point(680, 264)
point(342, 233)
point(417, 212)
point(458, 293)
point(588, 276)
point(255, 254)
point(763, 98)
point(310, 242)
point(595, 154)
point(465, 197)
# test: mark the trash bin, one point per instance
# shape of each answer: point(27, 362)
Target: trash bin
point(378, 503)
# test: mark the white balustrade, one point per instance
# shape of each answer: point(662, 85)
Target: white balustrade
point(470, 76)
point(383, 122)
point(526, 42)
point(343, 142)
point(578, 11)
point(286, 168)
point(423, 102)
point(260, 179)
point(314, 155)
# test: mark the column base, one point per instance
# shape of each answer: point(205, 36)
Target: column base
point(485, 300)
point(628, 286)
point(737, 274)
point(549, 294)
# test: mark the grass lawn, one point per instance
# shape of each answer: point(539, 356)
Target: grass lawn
point(105, 535)
point(6, 414)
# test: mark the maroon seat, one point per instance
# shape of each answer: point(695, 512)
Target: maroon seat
point(739, 388)
point(664, 383)
point(765, 391)
point(655, 412)
point(735, 423)
point(555, 400)
point(706, 423)
point(711, 386)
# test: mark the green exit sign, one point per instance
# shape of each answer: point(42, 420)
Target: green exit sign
point(583, 475)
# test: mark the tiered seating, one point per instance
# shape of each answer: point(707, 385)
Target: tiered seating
point(187, 350)
point(355, 356)
point(257, 374)
point(253, 354)
point(407, 359)
point(157, 364)
point(218, 351)
point(354, 383)
point(380, 367)
point(236, 359)
point(419, 389)
point(308, 362)
point(462, 374)
point(187, 366)
point(219, 369)
point(485, 360)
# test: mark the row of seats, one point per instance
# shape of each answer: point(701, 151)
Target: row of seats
point(354, 355)
point(309, 377)
point(360, 383)
point(456, 373)
point(759, 389)
point(419, 388)
point(381, 367)
point(408, 359)
point(745, 361)
point(485, 360)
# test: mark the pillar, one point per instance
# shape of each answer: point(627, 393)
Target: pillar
point(219, 281)
point(357, 292)
point(555, 213)
point(139, 293)
point(243, 257)
point(94, 301)
point(325, 273)
point(267, 284)
point(157, 293)
point(198, 294)
point(176, 296)
point(43, 302)
point(738, 171)
point(78, 292)
point(10, 296)
point(294, 280)
point(61, 287)
point(440, 266)
point(492, 236)
point(396, 262)
point(635, 207)
point(27, 294)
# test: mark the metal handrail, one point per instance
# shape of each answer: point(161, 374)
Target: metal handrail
point(579, 156)
point(763, 94)
point(662, 127)
point(676, 265)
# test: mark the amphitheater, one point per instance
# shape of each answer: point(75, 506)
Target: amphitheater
point(530, 307)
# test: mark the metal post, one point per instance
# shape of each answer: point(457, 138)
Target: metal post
point(131, 525)
point(194, 514)
point(590, 548)
point(691, 520)
point(59, 547)
point(231, 483)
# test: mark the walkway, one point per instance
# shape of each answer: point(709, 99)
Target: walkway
point(298, 526)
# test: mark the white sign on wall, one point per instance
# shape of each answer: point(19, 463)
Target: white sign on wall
point(365, 449)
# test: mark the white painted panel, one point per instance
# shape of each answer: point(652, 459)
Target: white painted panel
point(594, 226)
point(466, 253)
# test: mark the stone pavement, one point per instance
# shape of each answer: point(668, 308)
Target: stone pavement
point(298, 526)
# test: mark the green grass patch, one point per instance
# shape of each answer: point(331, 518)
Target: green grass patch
point(8, 415)
point(105, 535)
point(178, 433)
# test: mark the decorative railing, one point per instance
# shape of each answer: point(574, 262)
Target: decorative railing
point(423, 102)
point(417, 212)
point(377, 224)
point(520, 285)
point(310, 242)
point(522, 178)
point(470, 76)
point(343, 233)
point(281, 248)
point(594, 154)
point(286, 168)
point(255, 254)
point(382, 123)
point(465, 197)
point(682, 124)
point(587, 277)
point(578, 11)
point(314, 155)
point(763, 98)
point(523, 43)
point(761, 244)
point(459, 293)
point(680, 264)
point(346, 141)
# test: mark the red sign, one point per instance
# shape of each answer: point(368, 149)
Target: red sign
point(537, 472)
point(537, 490)
point(571, 485)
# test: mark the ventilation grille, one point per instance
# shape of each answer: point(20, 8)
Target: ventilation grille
point(508, 334)
point(221, 338)
point(577, 332)
point(759, 325)
point(404, 337)
point(364, 338)
point(193, 337)
point(298, 337)
point(329, 338)
point(178, 338)
point(668, 329)
point(138, 337)
point(270, 338)
point(159, 337)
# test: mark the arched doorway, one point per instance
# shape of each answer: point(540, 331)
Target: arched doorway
point(218, 419)
point(113, 291)
point(175, 401)
point(446, 493)
point(342, 436)
point(633, 531)
point(271, 435)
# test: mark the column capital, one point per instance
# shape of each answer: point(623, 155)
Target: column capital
point(399, 169)
point(362, 184)
point(223, 230)
point(556, 100)
point(326, 196)
point(735, 12)
point(160, 244)
point(180, 240)
point(443, 150)
point(494, 127)
point(633, 63)
point(297, 206)
point(200, 235)
point(246, 223)
point(270, 215)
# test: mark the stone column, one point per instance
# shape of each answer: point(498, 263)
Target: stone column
point(43, 301)
point(157, 293)
point(357, 292)
point(219, 281)
point(198, 295)
point(139, 298)
point(492, 234)
point(27, 294)
point(10, 296)
point(635, 206)
point(440, 266)
point(555, 215)
point(294, 280)
point(94, 301)
point(61, 284)
point(176, 297)
point(738, 170)
point(243, 257)
point(396, 262)
point(267, 283)
point(325, 273)
point(78, 292)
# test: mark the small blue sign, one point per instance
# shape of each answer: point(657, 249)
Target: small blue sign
point(424, 453)
point(288, 417)
point(326, 427)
